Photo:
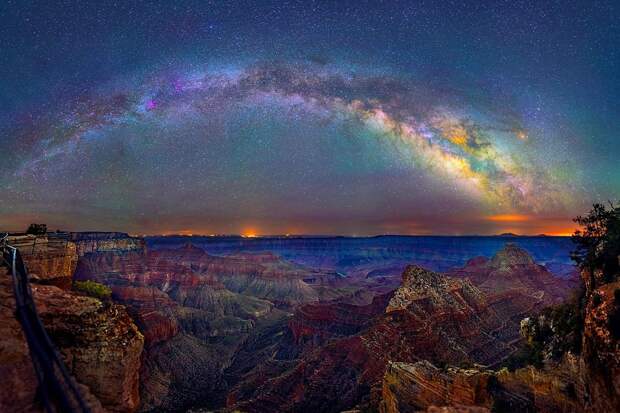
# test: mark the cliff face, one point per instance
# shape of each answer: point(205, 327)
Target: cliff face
point(19, 381)
point(421, 386)
point(49, 259)
point(88, 242)
point(586, 382)
point(53, 268)
point(601, 348)
point(337, 353)
point(99, 342)
point(192, 323)
point(409, 388)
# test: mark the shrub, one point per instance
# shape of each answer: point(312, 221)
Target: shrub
point(37, 229)
point(598, 242)
point(527, 354)
point(94, 289)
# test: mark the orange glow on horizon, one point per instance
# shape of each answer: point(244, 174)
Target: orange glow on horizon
point(532, 225)
point(509, 218)
point(249, 233)
point(559, 231)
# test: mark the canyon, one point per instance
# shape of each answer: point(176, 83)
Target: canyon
point(245, 329)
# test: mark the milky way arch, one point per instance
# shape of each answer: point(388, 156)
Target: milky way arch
point(172, 122)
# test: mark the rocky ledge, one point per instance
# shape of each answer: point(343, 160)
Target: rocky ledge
point(98, 341)
point(421, 386)
point(50, 259)
point(409, 388)
point(88, 242)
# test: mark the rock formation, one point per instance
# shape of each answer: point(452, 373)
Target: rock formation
point(411, 387)
point(585, 382)
point(99, 343)
point(255, 332)
point(336, 355)
point(195, 310)
point(601, 348)
point(89, 242)
point(50, 259)
point(512, 269)
point(19, 382)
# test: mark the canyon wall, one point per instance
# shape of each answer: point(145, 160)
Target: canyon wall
point(586, 381)
point(49, 259)
point(99, 343)
point(254, 332)
point(88, 242)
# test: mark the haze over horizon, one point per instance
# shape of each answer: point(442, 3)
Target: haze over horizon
point(308, 118)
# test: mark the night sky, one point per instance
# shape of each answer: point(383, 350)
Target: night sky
point(351, 118)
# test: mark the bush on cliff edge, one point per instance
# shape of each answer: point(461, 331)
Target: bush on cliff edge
point(93, 289)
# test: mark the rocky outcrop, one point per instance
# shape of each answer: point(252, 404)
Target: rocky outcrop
point(559, 387)
point(585, 382)
point(421, 386)
point(434, 289)
point(89, 242)
point(601, 348)
point(341, 351)
point(409, 388)
point(191, 321)
point(512, 269)
point(50, 259)
point(99, 342)
point(54, 268)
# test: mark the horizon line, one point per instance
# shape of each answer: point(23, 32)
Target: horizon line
point(253, 236)
point(304, 235)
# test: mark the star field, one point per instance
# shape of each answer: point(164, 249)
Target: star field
point(307, 117)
